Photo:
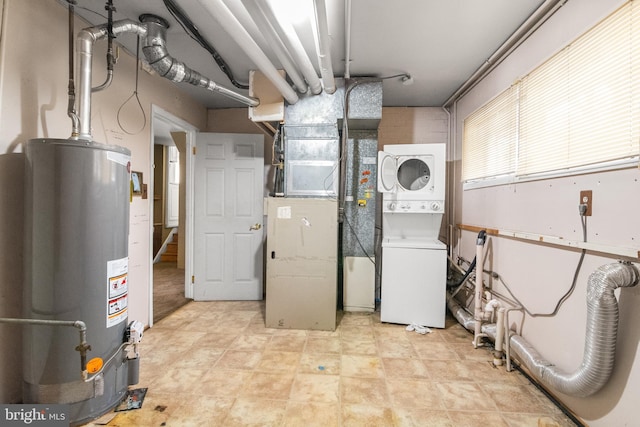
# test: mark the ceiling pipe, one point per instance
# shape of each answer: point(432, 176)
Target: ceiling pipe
point(276, 44)
point(152, 32)
point(234, 28)
point(291, 40)
point(347, 39)
point(537, 18)
point(324, 52)
point(156, 54)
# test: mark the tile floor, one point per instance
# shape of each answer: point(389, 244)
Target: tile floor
point(215, 364)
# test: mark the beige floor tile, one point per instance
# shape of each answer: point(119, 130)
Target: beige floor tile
point(461, 396)
point(226, 383)
point(526, 420)
point(357, 333)
point(268, 385)
point(200, 357)
point(514, 398)
point(179, 380)
point(279, 361)
point(356, 319)
point(455, 370)
point(361, 366)
point(411, 394)
point(435, 350)
point(201, 411)
point(364, 391)
point(287, 343)
point(311, 414)
point(322, 345)
point(423, 418)
point(237, 359)
point(404, 368)
point(255, 411)
point(398, 349)
point(315, 388)
point(457, 334)
point(366, 416)
point(320, 363)
point(215, 340)
point(250, 342)
point(475, 419)
point(358, 346)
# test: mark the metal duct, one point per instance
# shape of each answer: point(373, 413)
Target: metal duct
point(153, 33)
point(155, 51)
point(600, 341)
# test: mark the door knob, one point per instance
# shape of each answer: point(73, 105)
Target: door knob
point(256, 226)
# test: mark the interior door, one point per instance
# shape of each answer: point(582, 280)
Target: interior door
point(228, 214)
point(172, 186)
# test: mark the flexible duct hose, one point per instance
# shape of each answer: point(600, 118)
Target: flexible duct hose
point(600, 340)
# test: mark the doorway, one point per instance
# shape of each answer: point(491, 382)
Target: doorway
point(170, 211)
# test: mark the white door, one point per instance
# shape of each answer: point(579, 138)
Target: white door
point(172, 185)
point(228, 214)
point(387, 166)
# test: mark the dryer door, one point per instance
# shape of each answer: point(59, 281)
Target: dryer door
point(387, 168)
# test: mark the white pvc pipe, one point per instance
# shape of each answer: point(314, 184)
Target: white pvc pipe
point(347, 39)
point(324, 53)
point(291, 40)
point(276, 44)
point(234, 28)
point(497, 358)
point(477, 312)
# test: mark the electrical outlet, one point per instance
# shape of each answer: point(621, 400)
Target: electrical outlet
point(586, 198)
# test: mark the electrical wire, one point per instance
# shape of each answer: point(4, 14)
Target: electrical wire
point(134, 94)
point(583, 220)
point(192, 31)
point(373, 261)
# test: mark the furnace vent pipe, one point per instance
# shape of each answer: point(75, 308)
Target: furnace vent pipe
point(324, 53)
point(600, 340)
point(153, 34)
point(291, 40)
point(277, 45)
point(234, 28)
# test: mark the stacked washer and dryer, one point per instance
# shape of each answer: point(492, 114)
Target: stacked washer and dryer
point(411, 178)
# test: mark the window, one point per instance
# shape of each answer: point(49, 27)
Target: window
point(577, 111)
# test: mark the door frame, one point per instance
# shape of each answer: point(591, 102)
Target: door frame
point(160, 114)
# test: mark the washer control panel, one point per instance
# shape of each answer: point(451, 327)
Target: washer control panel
point(414, 206)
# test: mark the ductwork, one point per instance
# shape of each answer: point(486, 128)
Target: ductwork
point(600, 341)
point(153, 33)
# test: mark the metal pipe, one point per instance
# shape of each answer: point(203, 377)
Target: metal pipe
point(600, 337)
point(232, 26)
point(324, 53)
point(544, 11)
point(291, 40)
point(155, 52)
point(84, 49)
point(71, 106)
point(479, 288)
point(110, 60)
point(276, 44)
point(83, 347)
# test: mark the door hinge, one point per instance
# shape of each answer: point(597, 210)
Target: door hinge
point(193, 279)
point(194, 150)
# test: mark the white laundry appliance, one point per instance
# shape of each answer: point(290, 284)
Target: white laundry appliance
point(411, 178)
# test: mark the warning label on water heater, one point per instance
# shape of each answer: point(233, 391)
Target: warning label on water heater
point(117, 301)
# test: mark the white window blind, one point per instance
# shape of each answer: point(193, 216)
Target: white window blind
point(579, 108)
point(489, 139)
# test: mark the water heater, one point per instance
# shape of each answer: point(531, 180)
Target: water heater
point(76, 268)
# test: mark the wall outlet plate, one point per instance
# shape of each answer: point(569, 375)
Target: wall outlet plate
point(586, 198)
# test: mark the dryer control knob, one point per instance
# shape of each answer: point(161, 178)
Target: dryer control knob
point(435, 206)
point(391, 206)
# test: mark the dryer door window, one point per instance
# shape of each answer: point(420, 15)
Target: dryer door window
point(414, 174)
point(387, 180)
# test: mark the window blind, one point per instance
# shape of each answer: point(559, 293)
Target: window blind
point(579, 108)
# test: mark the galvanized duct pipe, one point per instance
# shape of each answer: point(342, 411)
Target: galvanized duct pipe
point(155, 51)
point(153, 34)
point(600, 340)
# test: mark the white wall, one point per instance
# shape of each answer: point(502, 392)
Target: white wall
point(33, 103)
point(540, 274)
